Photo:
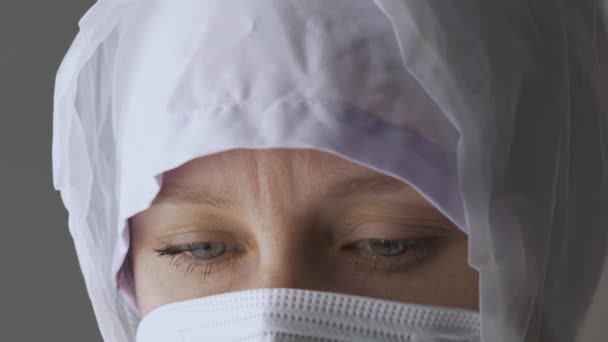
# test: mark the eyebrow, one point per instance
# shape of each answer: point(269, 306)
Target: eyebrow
point(366, 186)
point(196, 195)
point(199, 195)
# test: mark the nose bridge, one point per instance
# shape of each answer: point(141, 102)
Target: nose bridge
point(284, 240)
point(282, 276)
point(284, 261)
point(290, 257)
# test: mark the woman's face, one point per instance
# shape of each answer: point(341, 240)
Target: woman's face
point(305, 219)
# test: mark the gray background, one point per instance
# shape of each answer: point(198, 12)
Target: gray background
point(42, 294)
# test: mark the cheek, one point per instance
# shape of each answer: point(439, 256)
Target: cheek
point(444, 280)
point(159, 282)
point(151, 281)
point(461, 281)
point(449, 280)
point(150, 289)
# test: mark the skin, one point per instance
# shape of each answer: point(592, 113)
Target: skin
point(291, 218)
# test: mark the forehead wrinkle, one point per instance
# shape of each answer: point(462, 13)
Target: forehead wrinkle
point(274, 178)
point(284, 192)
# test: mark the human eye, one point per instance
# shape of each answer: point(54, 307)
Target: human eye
point(393, 248)
point(206, 257)
point(386, 246)
point(392, 255)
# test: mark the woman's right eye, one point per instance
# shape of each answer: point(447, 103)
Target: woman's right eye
point(206, 250)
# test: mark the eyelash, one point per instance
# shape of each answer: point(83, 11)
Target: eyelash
point(178, 258)
point(418, 248)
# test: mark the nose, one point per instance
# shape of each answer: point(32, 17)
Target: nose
point(288, 270)
point(289, 273)
point(290, 263)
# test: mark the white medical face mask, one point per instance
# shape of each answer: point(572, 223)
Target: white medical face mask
point(290, 315)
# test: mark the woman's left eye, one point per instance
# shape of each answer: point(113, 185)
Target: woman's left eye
point(387, 248)
point(392, 248)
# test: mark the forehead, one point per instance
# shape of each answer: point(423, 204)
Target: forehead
point(245, 165)
point(295, 176)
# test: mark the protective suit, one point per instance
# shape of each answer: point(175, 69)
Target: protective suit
point(493, 111)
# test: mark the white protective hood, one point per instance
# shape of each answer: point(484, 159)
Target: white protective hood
point(493, 110)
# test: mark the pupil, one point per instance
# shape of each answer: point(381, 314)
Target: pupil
point(388, 247)
point(208, 250)
point(385, 243)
